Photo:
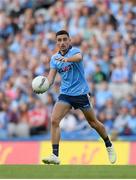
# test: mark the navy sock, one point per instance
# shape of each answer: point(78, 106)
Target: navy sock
point(55, 148)
point(107, 142)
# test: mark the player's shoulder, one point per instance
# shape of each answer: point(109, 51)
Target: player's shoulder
point(76, 49)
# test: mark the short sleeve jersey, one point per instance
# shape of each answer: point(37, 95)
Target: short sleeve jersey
point(73, 82)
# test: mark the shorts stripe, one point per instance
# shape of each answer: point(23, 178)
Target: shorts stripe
point(89, 99)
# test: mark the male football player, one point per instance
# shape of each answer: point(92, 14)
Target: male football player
point(74, 92)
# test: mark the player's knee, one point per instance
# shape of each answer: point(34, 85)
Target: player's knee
point(55, 122)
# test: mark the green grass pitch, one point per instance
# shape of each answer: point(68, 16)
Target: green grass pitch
point(67, 172)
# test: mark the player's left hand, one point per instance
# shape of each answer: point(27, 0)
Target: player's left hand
point(62, 59)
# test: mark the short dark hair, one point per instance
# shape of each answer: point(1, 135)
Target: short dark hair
point(62, 32)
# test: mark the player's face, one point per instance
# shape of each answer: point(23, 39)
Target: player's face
point(63, 42)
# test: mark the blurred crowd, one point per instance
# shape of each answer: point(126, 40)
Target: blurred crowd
point(104, 30)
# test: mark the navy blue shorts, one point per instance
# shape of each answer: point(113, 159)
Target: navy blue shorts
point(78, 102)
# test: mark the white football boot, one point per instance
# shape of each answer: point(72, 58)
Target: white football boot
point(111, 154)
point(52, 159)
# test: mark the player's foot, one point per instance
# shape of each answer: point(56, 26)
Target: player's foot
point(111, 154)
point(52, 159)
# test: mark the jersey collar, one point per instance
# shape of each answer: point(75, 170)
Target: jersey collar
point(66, 51)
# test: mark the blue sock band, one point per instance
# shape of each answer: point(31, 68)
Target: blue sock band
point(107, 142)
point(55, 148)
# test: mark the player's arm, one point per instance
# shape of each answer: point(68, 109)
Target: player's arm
point(51, 76)
point(75, 58)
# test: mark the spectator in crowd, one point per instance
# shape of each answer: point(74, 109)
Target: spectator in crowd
point(120, 122)
point(3, 120)
point(131, 124)
point(110, 107)
point(103, 94)
point(18, 122)
point(38, 119)
point(99, 75)
point(133, 73)
point(120, 74)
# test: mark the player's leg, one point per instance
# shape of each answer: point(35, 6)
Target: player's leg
point(94, 123)
point(99, 127)
point(59, 111)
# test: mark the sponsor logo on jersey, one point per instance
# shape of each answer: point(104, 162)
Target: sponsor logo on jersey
point(66, 68)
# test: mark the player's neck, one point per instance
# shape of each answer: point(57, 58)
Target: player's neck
point(65, 51)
